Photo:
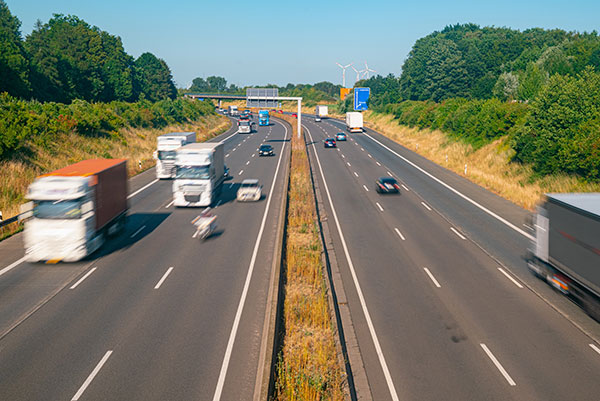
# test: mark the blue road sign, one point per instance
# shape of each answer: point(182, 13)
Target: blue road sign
point(361, 96)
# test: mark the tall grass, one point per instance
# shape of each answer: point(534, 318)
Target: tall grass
point(134, 144)
point(308, 367)
point(488, 166)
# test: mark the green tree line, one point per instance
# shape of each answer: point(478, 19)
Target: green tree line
point(312, 94)
point(67, 59)
point(540, 88)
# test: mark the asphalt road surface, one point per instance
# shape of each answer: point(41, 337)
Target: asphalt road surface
point(441, 301)
point(154, 314)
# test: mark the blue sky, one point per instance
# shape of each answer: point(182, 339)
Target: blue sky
point(260, 42)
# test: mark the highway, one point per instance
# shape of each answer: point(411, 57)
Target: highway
point(154, 314)
point(441, 303)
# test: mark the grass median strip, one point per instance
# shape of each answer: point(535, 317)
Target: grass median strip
point(308, 366)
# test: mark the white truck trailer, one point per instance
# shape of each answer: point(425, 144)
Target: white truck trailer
point(200, 172)
point(233, 110)
point(74, 209)
point(165, 152)
point(566, 248)
point(354, 121)
point(321, 111)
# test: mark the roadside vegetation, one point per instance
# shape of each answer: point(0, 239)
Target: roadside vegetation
point(309, 367)
point(528, 100)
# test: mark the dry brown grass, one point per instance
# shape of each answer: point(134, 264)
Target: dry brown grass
point(135, 145)
point(488, 166)
point(309, 367)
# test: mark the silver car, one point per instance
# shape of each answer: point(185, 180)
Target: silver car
point(250, 190)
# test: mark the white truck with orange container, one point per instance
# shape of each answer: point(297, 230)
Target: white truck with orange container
point(74, 209)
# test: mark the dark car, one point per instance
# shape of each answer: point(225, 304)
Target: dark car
point(340, 136)
point(387, 185)
point(244, 117)
point(329, 143)
point(265, 150)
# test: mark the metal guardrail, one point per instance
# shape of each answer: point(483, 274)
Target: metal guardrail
point(9, 221)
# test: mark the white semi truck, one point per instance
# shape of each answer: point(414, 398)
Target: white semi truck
point(354, 121)
point(200, 172)
point(165, 152)
point(566, 249)
point(74, 209)
point(233, 110)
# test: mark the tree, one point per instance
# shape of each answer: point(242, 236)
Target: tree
point(218, 84)
point(507, 86)
point(14, 62)
point(153, 78)
point(199, 85)
point(73, 60)
point(531, 82)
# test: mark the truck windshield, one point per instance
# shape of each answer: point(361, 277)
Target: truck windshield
point(193, 172)
point(166, 154)
point(60, 209)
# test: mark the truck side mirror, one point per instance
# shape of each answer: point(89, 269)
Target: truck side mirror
point(26, 211)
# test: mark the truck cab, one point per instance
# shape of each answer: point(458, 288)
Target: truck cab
point(263, 118)
point(200, 172)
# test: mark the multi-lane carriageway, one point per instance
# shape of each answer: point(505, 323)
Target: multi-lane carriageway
point(441, 304)
point(156, 314)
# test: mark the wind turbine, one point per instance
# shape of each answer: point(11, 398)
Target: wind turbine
point(343, 67)
point(367, 70)
point(357, 74)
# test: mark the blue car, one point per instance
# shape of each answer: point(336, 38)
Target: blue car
point(340, 136)
point(329, 143)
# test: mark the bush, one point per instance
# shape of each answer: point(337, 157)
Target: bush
point(23, 122)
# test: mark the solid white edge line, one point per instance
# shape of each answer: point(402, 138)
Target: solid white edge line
point(494, 215)
point(595, 348)
point(457, 233)
point(379, 206)
point(83, 278)
point(498, 365)
point(363, 304)
point(12, 265)
point(365, 187)
point(137, 232)
point(426, 206)
point(164, 277)
point(223, 141)
point(170, 203)
point(142, 188)
point(432, 278)
point(238, 314)
point(91, 376)
point(510, 277)
point(400, 234)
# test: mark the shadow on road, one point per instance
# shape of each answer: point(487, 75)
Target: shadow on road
point(138, 226)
